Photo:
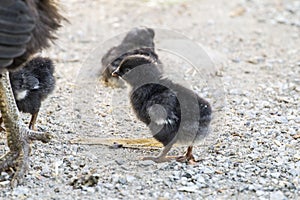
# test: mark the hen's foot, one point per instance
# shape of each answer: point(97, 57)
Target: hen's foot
point(18, 156)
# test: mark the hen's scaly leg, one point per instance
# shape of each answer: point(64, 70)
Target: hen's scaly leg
point(18, 135)
point(33, 120)
point(1, 121)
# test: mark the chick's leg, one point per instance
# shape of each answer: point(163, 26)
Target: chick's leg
point(188, 157)
point(162, 157)
point(33, 120)
point(18, 135)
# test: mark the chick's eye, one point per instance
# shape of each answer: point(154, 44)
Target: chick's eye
point(126, 70)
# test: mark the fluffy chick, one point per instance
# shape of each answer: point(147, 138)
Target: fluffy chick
point(138, 40)
point(173, 113)
point(31, 85)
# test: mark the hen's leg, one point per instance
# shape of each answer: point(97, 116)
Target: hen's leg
point(188, 157)
point(33, 120)
point(1, 121)
point(18, 135)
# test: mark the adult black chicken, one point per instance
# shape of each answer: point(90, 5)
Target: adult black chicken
point(26, 27)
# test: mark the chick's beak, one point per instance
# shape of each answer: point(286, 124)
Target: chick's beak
point(116, 73)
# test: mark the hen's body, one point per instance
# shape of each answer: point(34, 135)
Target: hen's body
point(173, 113)
point(138, 41)
point(32, 84)
point(26, 27)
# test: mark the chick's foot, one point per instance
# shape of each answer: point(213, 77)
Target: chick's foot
point(162, 157)
point(159, 159)
point(188, 157)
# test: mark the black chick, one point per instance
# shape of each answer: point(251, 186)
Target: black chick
point(26, 27)
point(31, 85)
point(173, 113)
point(138, 40)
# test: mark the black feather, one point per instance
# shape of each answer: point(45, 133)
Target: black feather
point(26, 26)
point(16, 25)
point(15, 40)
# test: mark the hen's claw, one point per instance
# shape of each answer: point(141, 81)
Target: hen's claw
point(19, 158)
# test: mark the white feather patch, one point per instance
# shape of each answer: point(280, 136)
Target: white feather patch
point(163, 121)
point(21, 94)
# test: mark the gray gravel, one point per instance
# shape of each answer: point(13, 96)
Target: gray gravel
point(253, 151)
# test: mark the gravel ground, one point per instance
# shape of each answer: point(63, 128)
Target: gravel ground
point(253, 151)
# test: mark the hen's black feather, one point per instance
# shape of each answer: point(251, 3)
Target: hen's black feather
point(32, 84)
point(26, 26)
